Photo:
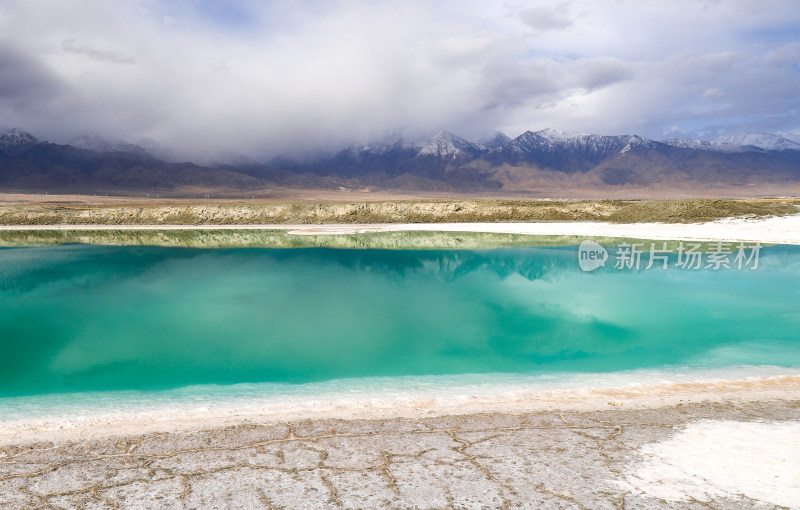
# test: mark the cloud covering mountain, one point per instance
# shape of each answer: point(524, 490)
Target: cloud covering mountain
point(547, 159)
point(265, 78)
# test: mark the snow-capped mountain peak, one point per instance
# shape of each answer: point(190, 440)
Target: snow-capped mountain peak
point(16, 140)
point(764, 141)
point(553, 140)
point(743, 142)
point(495, 141)
point(703, 145)
point(560, 136)
point(635, 141)
point(448, 145)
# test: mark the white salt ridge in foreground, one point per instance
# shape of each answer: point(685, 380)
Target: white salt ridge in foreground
point(722, 459)
point(99, 413)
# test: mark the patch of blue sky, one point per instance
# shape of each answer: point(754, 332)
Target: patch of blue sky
point(248, 17)
point(226, 14)
point(773, 35)
point(231, 15)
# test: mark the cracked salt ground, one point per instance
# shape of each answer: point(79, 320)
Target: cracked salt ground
point(568, 459)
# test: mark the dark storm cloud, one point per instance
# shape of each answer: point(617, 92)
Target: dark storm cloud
point(24, 82)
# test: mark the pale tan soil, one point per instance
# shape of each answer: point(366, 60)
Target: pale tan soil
point(196, 195)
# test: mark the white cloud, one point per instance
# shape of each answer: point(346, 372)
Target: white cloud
point(263, 78)
point(541, 19)
point(714, 93)
point(786, 55)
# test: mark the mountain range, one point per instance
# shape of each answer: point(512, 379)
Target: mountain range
point(535, 160)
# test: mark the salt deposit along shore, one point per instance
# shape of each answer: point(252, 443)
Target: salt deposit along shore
point(774, 230)
point(703, 444)
point(778, 230)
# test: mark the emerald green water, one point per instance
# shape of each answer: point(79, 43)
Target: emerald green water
point(79, 318)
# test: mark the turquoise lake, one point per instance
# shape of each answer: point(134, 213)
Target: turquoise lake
point(83, 318)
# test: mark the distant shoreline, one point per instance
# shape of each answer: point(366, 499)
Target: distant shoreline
point(775, 230)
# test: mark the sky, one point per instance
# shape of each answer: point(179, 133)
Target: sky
point(264, 78)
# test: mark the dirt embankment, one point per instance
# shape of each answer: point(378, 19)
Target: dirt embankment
point(412, 211)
